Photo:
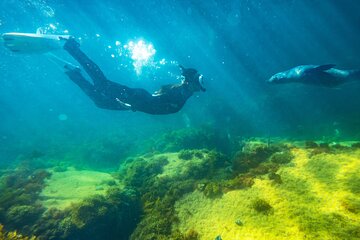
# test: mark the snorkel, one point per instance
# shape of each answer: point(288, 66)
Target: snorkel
point(193, 78)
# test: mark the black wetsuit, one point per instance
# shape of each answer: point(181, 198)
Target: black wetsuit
point(114, 96)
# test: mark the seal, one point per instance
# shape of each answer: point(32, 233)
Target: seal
point(318, 75)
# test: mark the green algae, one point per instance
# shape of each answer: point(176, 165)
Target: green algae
point(353, 182)
point(324, 169)
point(284, 187)
point(72, 186)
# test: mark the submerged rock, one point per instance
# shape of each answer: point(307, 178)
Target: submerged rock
point(318, 196)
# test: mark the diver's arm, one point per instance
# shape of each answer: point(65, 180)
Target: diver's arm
point(169, 99)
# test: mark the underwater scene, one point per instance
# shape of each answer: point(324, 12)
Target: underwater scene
point(179, 120)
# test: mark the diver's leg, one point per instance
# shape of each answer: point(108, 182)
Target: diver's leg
point(78, 79)
point(60, 62)
point(100, 99)
point(98, 77)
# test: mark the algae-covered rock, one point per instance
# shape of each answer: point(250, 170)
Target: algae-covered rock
point(205, 137)
point(72, 186)
point(315, 197)
point(251, 156)
point(23, 214)
point(161, 189)
point(113, 216)
point(110, 216)
point(186, 154)
point(75, 207)
point(19, 193)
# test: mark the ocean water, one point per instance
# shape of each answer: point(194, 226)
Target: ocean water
point(237, 45)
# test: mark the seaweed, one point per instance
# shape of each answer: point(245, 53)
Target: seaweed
point(251, 156)
point(20, 215)
point(353, 182)
point(355, 145)
point(311, 144)
point(186, 154)
point(13, 235)
point(352, 205)
point(239, 182)
point(323, 169)
point(262, 206)
point(113, 216)
point(189, 235)
point(18, 195)
point(282, 157)
point(321, 148)
point(141, 170)
point(160, 194)
point(191, 138)
point(213, 190)
point(336, 225)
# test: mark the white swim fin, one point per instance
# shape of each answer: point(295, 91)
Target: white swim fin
point(33, 42)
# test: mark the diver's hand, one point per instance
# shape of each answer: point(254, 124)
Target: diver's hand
point(125, 105)
point(65, 37)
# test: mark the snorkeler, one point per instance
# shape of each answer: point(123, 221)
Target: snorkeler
point(319, 75)
point(111, 95)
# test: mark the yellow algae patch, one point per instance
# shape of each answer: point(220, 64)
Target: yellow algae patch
point(318, 199)
point(72, 186)
point(176, 166)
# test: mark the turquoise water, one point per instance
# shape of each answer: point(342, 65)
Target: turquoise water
point(237, 45)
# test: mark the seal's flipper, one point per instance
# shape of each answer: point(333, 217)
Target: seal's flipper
point(354, 75)
point(325, 67)
point(33, 42)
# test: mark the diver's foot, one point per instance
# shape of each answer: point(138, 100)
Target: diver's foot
point(70, 67)
point(70, 43)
